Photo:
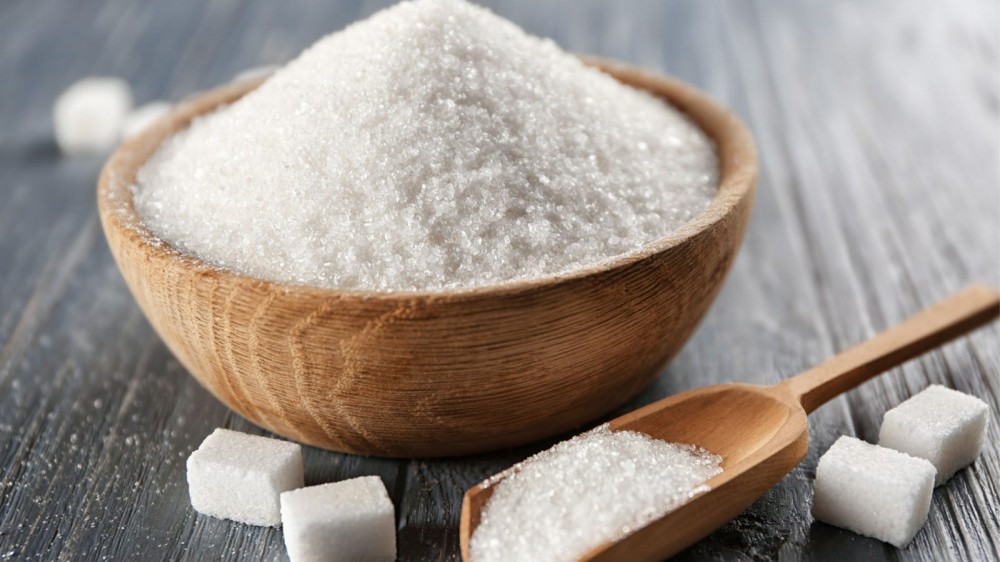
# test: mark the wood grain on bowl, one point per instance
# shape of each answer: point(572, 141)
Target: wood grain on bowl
point(433, 374)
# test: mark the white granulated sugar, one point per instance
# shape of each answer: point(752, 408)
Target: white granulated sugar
point(88, 116)
point(873, 491)
point(432, 146)
point(597, 487)
point(344, 521)
point(237, 476)
point(140, 118)
point(944, 426)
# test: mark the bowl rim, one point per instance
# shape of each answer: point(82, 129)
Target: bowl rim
point(735, 148)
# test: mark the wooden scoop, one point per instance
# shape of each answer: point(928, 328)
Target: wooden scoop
point(760, 431)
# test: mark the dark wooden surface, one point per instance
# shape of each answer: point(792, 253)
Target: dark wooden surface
point(879, 137)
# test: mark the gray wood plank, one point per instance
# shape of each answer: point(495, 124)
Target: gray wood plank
point(879, 130)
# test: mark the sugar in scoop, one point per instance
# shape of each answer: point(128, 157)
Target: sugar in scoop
point(432, 146)
point(595, 488)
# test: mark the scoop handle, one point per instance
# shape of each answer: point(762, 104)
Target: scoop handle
point(950, 318)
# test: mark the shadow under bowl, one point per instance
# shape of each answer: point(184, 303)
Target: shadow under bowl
point(443, 373)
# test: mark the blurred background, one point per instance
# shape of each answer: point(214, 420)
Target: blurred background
point(878, 125)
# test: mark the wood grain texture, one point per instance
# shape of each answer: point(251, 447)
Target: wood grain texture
point(877, 128)
point(443, 373)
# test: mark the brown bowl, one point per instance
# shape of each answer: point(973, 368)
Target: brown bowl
point(433, 374)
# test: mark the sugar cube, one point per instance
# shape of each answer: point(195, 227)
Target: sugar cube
point(349, 520)
point(939, 424)
point(873, 491)
point(238, 476)
point(88, 116)
point(139, 119)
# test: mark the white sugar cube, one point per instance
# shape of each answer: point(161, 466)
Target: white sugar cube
point(138, 120)
point(88, 116)
point(237, 476)
point(874, 491)
point(939, 424)
point(343, 521)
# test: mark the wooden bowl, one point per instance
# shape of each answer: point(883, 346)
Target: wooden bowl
point(433, 374)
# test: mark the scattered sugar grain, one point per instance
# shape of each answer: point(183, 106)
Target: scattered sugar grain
point(873, 491)
point(344, 521)
point(139, 119)
point(88, 116)
point(944, 426)
point(594, 488)
point(238, 476)
point(433, 146)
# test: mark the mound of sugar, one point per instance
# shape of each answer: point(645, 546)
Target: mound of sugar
point(874, 491)
point(596, 487)
point(88, 116)
point(344, 521)
point(432, 146)
point(237, 476)
point(939, 424)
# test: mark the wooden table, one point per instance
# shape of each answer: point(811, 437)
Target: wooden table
point(879, 135)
